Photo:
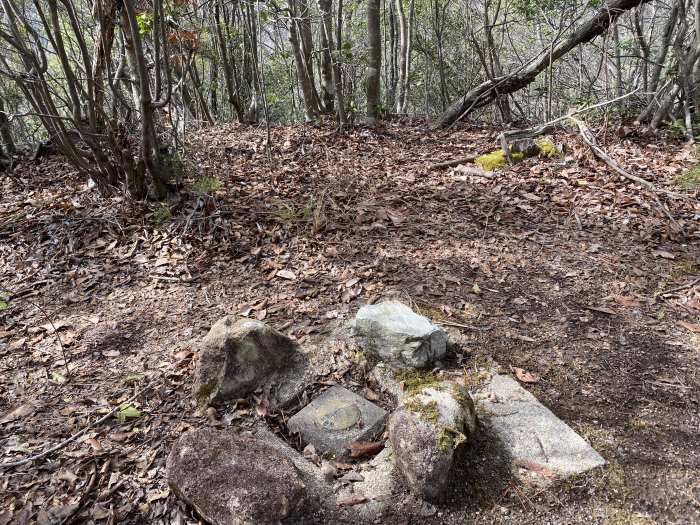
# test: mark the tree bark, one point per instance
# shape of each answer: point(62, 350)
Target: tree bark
point(325, 7)
point(374, 65)
point(226, 61)
point(302, 62)
point(326, 64)
point(7, 145)
point(404, 37)
point(487, 92)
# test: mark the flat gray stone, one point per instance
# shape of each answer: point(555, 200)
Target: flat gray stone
point(378, 485)
point(335, 418)
point(399, 336)
point(538, 442)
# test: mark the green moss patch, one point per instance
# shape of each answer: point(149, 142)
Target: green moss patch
point(416, 380)
point(547, 148)
point(497, 159)
point(689, 180)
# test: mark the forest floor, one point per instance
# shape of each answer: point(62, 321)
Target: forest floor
point(556, 266)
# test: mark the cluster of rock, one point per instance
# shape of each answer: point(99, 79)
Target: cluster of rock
point(258, 478)
point(226, 477)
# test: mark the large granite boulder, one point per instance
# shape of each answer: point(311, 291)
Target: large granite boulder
point(232, 479)
point(425, 431)
point(399, 336)
point(238, 356)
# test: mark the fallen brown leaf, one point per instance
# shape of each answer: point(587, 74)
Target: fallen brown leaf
point(360, 449)
point(352, 499)
point(525, 376)
point(18, 413)
point(626, 300)
point(693, 327)
point(535, 467)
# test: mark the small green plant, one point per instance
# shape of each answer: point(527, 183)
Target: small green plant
point(174, 166)
point(206, 186)
point(145, 22)
point(161, 215)
point(4, 305)
point(689, 180)
point(127, 411)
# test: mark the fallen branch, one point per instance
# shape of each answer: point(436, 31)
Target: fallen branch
point(75, 436)
point(518, 134)
point(589, 139)
point(488, 91)
point(452, 162)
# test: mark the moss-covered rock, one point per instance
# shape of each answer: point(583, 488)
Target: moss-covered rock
point(547, 148)
point(497, 159)
point(426, 430)
point(237, 357)
point(518, 151)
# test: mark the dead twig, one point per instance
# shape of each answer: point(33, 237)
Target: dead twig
point(589, 139)
point(452, 162)
point(464, 326)
point(508, 136)
point(90, 486)
point(680, 288)
point(75, 436)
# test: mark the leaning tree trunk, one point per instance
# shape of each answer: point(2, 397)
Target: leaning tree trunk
point(487, 92)
point(375, 60)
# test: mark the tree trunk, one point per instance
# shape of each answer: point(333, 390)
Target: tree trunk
point(485, 93)
point(105, 14)
point(302, 62)
point(226, 61)
point(404, 37)
point(325, 7)
point(374, 65)
point(7, 145)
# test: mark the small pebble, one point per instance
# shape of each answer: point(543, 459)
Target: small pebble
point(328, 470)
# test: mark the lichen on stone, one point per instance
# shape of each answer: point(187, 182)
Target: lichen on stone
point(428, 412)
point(417, 380)
point(497, 159)
point(547, 148)
point(204, 393)
point(448, 439)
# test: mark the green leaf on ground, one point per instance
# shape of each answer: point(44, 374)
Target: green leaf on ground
point(127, 411)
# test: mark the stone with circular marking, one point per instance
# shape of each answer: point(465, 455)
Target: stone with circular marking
point(337, 414)
point(335, 418)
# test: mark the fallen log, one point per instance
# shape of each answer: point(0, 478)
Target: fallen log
point(507, 137)
point(452, 162)
point(486, 92)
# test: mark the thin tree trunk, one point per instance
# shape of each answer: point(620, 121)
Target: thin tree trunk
point(304, 73)
point(327, 32)
point(226, 60)
point(327, 84)
point(105, 14)
point(374, 65)
point(6, 143)
point(404, 38)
